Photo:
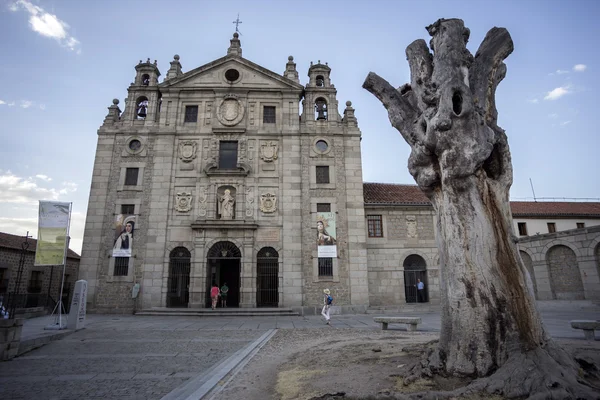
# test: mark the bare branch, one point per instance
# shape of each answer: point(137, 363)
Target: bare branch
point(400, 111)
point(421, 67)
point(488, 70)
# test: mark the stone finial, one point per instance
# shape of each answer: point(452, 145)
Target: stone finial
point(290, 70)
point(175, 69)
point(235, 48)
point(114, 113)
point(349, 117)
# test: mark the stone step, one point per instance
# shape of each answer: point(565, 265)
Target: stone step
point(219, 312)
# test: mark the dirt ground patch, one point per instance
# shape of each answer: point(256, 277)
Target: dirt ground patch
point(305, 364)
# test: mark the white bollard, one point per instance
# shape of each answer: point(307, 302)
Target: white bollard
point(77, 311)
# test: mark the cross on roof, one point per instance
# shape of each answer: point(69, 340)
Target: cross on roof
point(237, 22)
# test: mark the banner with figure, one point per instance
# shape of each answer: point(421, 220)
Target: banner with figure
point(53, 230)
point(326, 235)
point(123, 243)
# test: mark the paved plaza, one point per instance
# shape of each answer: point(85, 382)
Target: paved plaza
point(149, 357)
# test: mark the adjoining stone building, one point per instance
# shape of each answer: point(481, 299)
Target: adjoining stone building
point(39, 286)
point(233, 173)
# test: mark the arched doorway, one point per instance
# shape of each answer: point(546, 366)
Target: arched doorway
point(267, 278)
point(223, 266)
point(178, 294)
point(415, 268)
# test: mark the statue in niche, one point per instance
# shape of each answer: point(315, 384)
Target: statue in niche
point(227, 205)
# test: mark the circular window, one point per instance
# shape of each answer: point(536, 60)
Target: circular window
point(232, 75)
point(135, 145)
point(322, 146)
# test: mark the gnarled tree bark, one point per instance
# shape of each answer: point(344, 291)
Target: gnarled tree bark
point(461, 160)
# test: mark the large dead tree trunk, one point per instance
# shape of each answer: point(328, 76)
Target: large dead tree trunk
point(461, 160)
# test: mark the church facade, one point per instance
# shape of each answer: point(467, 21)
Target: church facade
point(231, 173)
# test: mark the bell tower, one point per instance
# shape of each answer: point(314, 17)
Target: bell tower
point(144, 98)
point(320, 103)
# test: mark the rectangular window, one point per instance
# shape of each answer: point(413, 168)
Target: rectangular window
point(326, 266)
point(191, 114)
point(580, 225)
point(322, 174)
point(228, 154)
point(375, 225)
point(35, 282)
point(522, 228)
point(121, 266)
point(323, 207)
point(3, 280)
point(128, 209)
point(551, 227)
point(131, 176)
point(269, 115)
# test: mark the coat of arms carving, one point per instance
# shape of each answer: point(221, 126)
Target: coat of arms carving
point(183, 202)
point(411, 226)
point(268, 151)
point(230, 111)
point(187, 151)
point(268, 203)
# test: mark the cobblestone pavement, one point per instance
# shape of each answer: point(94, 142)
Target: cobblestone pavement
point(146, 357)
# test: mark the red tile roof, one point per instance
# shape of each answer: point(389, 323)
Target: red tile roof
point(394, 194)
point(14, 242)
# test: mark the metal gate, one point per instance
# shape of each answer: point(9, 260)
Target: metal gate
point(414, 268)
point(178, 294)
point(223, 266)
point(267, 278)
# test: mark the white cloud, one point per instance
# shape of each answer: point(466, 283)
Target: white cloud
point(26, 103)
point(553, 116)
point(47, 24)
point(43, 177)
point(579, 67)
point(2, 102)
point(561, 71)
point(12, 103)
point(565, 123)
point(534, 101)
point(19, 190)
point(557, 93)
point(42, 106)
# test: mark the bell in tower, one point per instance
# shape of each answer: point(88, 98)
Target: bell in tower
point(321, 109)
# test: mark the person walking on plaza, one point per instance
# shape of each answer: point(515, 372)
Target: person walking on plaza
point(224, 290)
point(420, 291)
point(327, 301)
point(214, 295)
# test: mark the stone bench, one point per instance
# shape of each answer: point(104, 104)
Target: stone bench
point(588, 327)
point(412, 322)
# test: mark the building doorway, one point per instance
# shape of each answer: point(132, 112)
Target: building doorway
point(267, 278)
point(224, 267)
point(178, 285)
point(415, 268)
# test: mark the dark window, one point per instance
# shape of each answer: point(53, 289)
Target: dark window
point(145, 80)
point(322, 174)
point(232, 75)
point(323, 207)
point(580, 225)
point(551, 227)
point(3, 280)
point(191, 114)
point(269, 115)
point(35, 282)
point(228, 154)
point(131, 176)
point(522, 228)
point(326, 266)
point(121, 266)
point(375, 225)
point(128, 209)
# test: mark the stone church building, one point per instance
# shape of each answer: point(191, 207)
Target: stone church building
point(231, 173)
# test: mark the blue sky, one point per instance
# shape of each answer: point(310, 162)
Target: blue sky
point(63, 62)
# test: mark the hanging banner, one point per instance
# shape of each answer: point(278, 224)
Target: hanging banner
point(123, 244)
point(53, 229)
point(326, 242)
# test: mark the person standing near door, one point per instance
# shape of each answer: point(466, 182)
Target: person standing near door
point(420, 291)
point(224, 290)
point(214, 295)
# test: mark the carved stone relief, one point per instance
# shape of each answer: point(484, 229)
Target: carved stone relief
point(251, 113)
point(202, 197)
point(187, 150)
point(411, 226)
point(183, 202)
point(230, 111)
point(208, 112)
point(268, 151)
point(268, 203)
point(249, 202)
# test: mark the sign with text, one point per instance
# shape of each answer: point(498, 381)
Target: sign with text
point(78, 304)
point(53, 227)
